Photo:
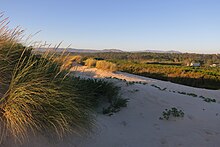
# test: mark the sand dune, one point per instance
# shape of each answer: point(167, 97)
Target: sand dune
point(138, 125)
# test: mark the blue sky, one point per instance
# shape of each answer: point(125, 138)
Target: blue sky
point(184, 25)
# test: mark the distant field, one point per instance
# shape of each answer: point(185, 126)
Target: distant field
point(167, 66)
point(202, 77)
point(172, 58)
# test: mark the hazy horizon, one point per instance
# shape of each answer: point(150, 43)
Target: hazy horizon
point(129, 25)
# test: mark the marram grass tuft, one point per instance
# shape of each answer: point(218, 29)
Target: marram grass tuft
point(36, 92)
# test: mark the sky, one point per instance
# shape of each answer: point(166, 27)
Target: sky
point(130, 25)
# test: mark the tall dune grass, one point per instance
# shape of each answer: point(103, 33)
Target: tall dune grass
point(39, 90)
point(39, 95)
point(36, 93)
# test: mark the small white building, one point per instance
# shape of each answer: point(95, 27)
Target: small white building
point(195, 64)
point(214, 65)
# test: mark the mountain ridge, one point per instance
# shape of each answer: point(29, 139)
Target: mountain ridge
point(104, 50)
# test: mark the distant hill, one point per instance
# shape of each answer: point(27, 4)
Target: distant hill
point(112, 50)
point(104, 50)
point(160, 51)
point(80, 50)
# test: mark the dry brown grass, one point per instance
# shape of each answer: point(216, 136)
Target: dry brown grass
point(90, 62)
point(105, 65)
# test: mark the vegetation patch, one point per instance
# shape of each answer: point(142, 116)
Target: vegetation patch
point(189, 94)
point(185, 93)
point(173, 112)
point(208, 100)
point(115, 106)
point(128, 82)
point(99, 90)
point(161, 89)
point(192, 94)
point(134, 90)
point(195, 95)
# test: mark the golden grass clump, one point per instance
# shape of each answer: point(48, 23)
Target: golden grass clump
point(64, 60)
point(90, 62)
point(105, 65)
point(36, 92)
point(68, 61)
point(76, 58)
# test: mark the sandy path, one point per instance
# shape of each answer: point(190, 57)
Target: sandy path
point(138, 125)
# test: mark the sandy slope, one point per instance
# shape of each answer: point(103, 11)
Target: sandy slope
point(138, 125)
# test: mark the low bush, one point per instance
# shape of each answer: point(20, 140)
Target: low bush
point(100, 91)
point(174, 112)
point(96, 91)
point(115, 106)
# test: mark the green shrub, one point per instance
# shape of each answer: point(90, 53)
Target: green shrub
point(96, 91)
point(100, 91)
point(174, 112)
point(115, 106)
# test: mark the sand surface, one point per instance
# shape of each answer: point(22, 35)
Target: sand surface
point(138, 125)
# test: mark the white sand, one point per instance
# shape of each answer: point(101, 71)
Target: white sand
point(138, 125)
